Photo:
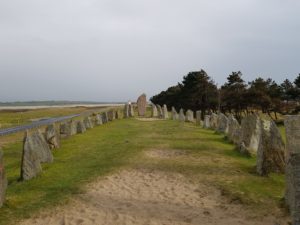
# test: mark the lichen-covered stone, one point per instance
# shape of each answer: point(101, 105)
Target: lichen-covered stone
point(271, 149)
point(181, 115)
point(189, 116)
point(141, 105)
point(65, 129)
point(98, 119)
point(234, 130)
point(251, 132)
point(35, 152)
point(52, 136)
point(80, 127)
point(111, 115)
point(88, 122)
point(104, 117)
point(292, 173)
point(222, 123)
point(73, 127)
point(3, 180)
point(165, 112)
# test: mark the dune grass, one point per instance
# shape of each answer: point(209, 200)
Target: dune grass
point(208, 158)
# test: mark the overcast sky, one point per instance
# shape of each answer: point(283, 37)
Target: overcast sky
point(114, 50)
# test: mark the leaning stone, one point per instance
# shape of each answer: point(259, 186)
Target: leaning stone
point(98, 119)
point(3, 180)
point(35, 151)
point(111, 115)
point(154, 111)
point(174, 114)
point(271, 149)
point(165, 112)
point(251, 132)
point(222, 123)
point(213, 121)
point(142, 104)
point(52, 136)
point(160, 111)
point(181, 115)
point(206, 123)
point(234, 130)
point(88, 122)
point(80, 127)
point(198, 118)
point(189, 116)
point(292, 195)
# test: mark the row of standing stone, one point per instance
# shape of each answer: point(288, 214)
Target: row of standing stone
point(38, 145)
point(261, 137)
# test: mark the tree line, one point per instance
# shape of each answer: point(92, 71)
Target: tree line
point(198, 91)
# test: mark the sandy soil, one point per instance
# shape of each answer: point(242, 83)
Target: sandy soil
point(149, 198)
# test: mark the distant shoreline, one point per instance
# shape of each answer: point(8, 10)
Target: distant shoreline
point(17, 107)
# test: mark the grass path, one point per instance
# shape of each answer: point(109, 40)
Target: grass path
point(200, 155)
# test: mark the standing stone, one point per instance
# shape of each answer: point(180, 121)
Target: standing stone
point(292, 195)
point(35, 152)
point(111, 115)
point(142, 104)
point(98, 119)
point(131, 110)
point(154, 111)
point(65, 129)
point(181, 115)
point(3, 180)
point(198, 118)
point(126, 110)
point(174, 114)
point(270, 153)
point(80, 127)
point(214, 121)
point(250, 133)
point(73, 127)
point(88, 122)
point(206, 121)
point(222, 123)
point(104, 117)
point(189, 116)
point(234, 130)
point(160, 111)
point(165, 112)
point(52, 137)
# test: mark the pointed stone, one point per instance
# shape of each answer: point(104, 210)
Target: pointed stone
point(88, 122)
point(174, 114)
point(80, 127)
point(213, 121)
point(234, 130)
point(52, 137)
point(154, 111)
point(181, 115)
point(160, 111)
point(222, 123)
point(165, 112)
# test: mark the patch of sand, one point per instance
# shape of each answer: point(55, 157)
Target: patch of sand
point(165, 153)
point(144, 197)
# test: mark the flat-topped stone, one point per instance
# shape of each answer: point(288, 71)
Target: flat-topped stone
point(142, 104)
point(3, 180)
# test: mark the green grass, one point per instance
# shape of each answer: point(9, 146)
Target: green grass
point(209, 158)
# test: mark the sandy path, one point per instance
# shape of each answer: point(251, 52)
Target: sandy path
point(148, 198)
